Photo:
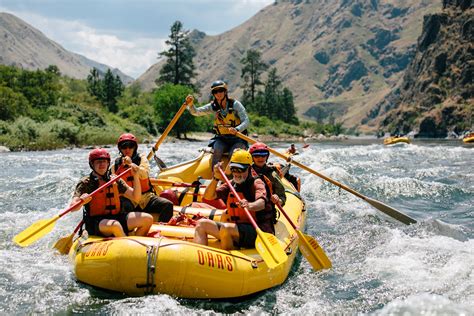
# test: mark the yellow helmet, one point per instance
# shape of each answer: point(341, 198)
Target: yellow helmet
point(241, 159)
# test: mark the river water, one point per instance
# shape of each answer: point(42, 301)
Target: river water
point(380, 266)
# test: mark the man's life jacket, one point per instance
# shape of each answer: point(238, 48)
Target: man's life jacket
point(106, 201)
point(119, 168)
point(221, 123)
point(246, 191)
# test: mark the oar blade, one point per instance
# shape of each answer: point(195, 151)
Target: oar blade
point(34, 232)
point(390, 211)
point(64, 244)
point(313, 252)
point(270, 249)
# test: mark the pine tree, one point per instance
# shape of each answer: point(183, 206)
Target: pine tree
point(112, 88)
point(94, 86)
point(179, 67)
point(253, 66)
point(288, 107)
point(272, 106)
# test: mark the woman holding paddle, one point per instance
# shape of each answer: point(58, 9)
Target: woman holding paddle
point(160, 208)
point(252, 195)
point(106, 213)
point(230, 118)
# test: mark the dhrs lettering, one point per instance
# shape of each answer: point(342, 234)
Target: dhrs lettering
point(215, 260)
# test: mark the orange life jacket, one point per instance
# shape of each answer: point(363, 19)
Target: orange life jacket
point(119, 168)
point(104, 202)
point(236, 213)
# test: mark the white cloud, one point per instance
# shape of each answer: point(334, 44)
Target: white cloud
point(133, 57)
point(133, 54)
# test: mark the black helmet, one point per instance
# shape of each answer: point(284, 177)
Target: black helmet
point(218, 84)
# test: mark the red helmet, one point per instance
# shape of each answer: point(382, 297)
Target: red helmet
point(170, 195)
point(127, 137)
point(98, 153)
point(259, 149)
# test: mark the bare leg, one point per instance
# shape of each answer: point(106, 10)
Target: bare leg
point(204, 227)
point(140, 220)
point(111, 227)
point(228, 233)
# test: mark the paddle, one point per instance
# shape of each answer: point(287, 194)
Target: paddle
point(390, 211)
point(309, 247)
point(64, 244)
point(42, 227)
point(167, 130)
point(266, 244)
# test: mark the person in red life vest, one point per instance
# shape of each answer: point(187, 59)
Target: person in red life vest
point(106, 213)
point(239, 232)
point(160, 208)
point(230, 117)
point(260, 154)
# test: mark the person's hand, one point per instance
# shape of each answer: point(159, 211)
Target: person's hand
point(86, 198)
point(244, 203)
point(189, 100)
point(134, 168)
point(127, 161)
point(217, 174)
point(232, 130)
point(275, 199)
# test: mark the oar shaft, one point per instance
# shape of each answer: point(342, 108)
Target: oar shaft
point(378, 205)
point(286, 215)
point(167, 130)
point(231, 187)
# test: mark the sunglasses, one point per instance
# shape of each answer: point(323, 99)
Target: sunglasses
point(218, 90)
point(127, 145)
point(238, 170)
point(260, 154)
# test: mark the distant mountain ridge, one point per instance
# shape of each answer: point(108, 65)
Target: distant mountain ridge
point(340, 58)
point(436, 96)
point(24, 46)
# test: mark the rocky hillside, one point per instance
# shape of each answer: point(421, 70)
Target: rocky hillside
point(339, 57)
point(24, 46)
point(437, 93)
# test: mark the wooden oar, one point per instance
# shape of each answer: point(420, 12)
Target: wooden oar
point(64, 244)
point(42, 227)
point(390, 211)
point(309, 247)
point(167, 130)
point(267, 245)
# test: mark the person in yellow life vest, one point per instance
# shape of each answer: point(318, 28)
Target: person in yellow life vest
point(239, 232)
point(105, 213)
point(230, 117)
point(160, 208)
point(260, 154)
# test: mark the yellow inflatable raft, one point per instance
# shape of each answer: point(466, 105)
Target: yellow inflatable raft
point(395, 140)
point(170, 263)
point(468, 138)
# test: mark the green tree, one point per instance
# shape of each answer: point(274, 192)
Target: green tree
point(112, 88)
point(12, 104)
point(253, 66)
point(179, 67)
point(288, 113)
point(272, 106)
point(94, 85)
point(168, 100)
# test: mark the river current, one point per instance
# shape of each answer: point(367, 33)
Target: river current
point(380, 266)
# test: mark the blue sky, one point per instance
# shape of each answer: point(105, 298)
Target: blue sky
point(127, 34)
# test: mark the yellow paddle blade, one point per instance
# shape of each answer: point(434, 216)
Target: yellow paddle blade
point(269, 248)
point(64, 244)
point(311, 250)
point(35, 232)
